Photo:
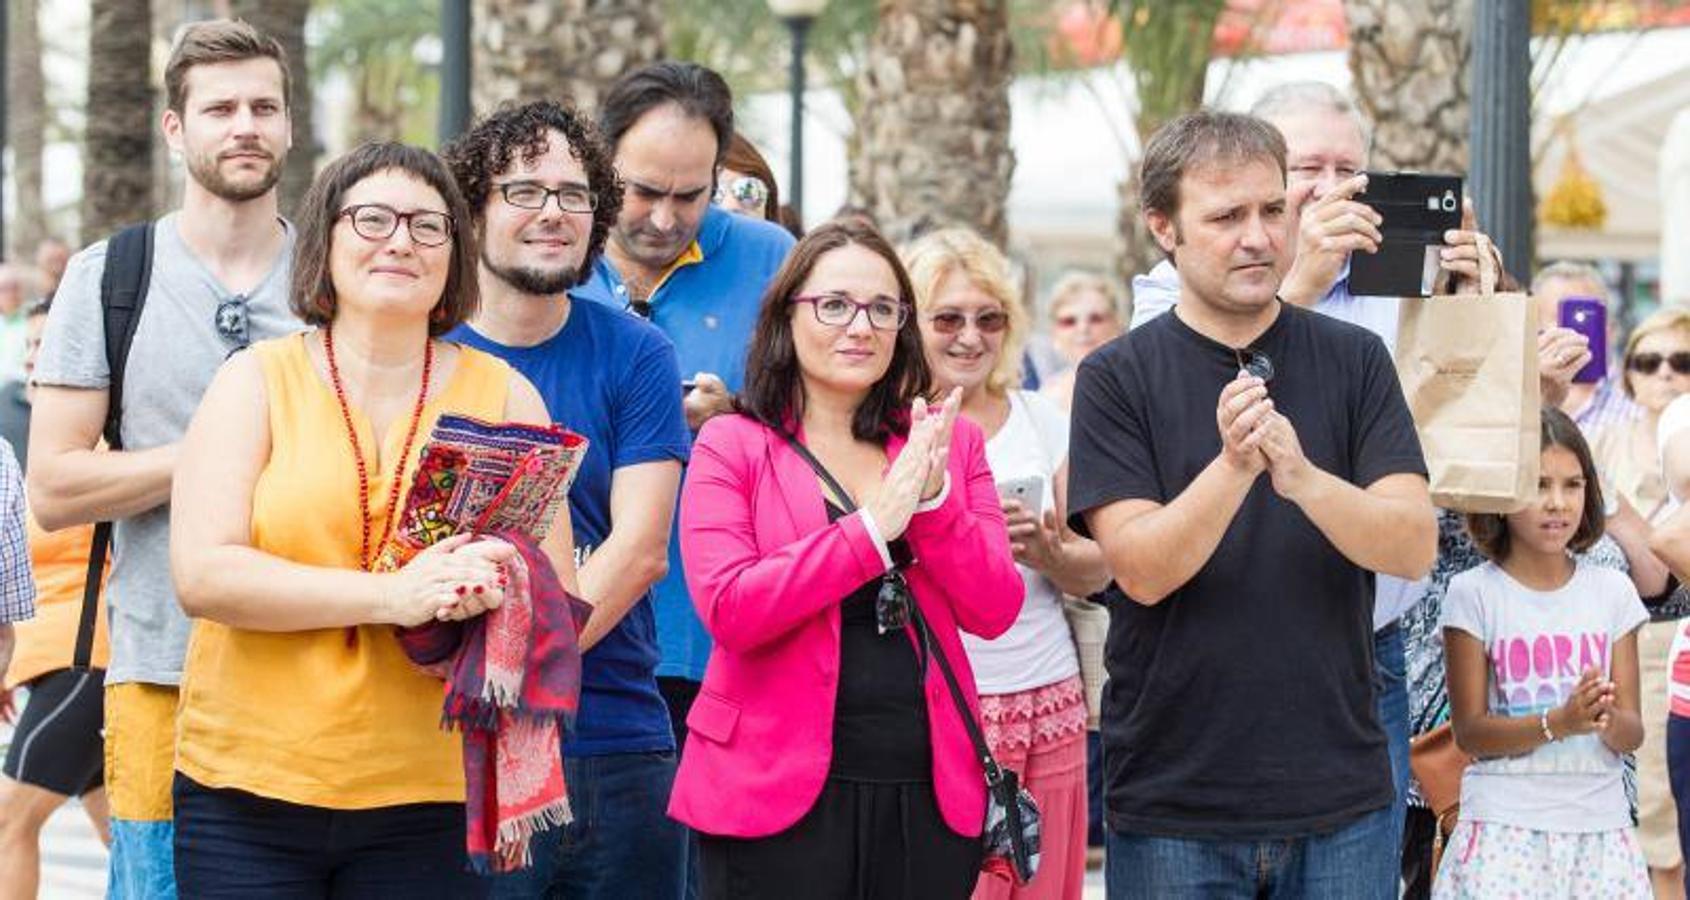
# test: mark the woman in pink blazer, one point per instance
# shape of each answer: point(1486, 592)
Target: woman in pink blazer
point(825, 755)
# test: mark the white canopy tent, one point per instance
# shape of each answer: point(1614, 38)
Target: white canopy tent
point(1675, 206)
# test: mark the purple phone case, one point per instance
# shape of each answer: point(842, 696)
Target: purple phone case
point(1587, 316)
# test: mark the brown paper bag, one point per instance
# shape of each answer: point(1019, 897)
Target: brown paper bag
point(1468, 365)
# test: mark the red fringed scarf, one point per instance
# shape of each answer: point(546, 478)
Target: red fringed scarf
point(513, 684)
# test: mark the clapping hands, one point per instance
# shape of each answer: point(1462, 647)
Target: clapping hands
point(918, 473)
point(1588, 709)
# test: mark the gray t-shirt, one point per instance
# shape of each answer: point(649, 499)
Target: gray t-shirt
point(176, 352)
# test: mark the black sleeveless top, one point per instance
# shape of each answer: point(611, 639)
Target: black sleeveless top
point(880, 718)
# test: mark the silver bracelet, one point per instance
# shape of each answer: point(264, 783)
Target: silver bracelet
point(1543, 722)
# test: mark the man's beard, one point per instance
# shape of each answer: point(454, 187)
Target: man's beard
point(529, 280)
point(205, 171)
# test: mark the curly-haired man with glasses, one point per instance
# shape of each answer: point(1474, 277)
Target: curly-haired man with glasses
point(543, 196)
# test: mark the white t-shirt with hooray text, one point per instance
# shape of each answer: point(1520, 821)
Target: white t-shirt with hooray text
point(1538, 644)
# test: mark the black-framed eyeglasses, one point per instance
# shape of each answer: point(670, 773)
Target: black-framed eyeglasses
point(378, 222)
point(232, 321)
point(1254, 363)
point(839, 311)
point(1650, 363)
point(571, 198)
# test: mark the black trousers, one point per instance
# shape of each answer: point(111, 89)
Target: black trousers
point(861, 841)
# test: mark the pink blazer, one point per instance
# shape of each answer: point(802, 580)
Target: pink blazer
point(767, 572)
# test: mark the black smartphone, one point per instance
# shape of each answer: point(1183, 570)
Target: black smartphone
point(1416, 210)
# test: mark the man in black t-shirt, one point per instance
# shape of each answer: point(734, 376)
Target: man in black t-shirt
point(1245, 465)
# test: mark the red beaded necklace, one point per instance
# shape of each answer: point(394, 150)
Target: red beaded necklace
point(365, 558)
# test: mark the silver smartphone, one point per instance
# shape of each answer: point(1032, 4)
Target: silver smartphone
point(1029, 491)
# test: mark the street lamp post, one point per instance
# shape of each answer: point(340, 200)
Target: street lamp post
point(797, 14)
point(454, 68)
point(1502, 128)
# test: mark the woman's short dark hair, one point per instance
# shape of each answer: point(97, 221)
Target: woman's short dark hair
point(698, 91)
point(774, 386)
point(487, 151)
point(1490, 530)
point(313, 295)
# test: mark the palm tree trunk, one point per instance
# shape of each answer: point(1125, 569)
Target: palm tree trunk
point(284, 20)
point(933, 128)
point(570, 49)
point(26, 124)
point(117, 146)
point(1168, 46)
point(1409, 63)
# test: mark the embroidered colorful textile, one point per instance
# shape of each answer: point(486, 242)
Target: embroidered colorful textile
point(513, 675)
point(480, 477)
point(513, 685)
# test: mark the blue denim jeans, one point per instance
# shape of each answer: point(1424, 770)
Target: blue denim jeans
point(1343, 865)
point(141, 865)
point(1390, 687)
point(621, 843)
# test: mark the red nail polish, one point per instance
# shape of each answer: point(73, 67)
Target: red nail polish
point(460, 590)
point(478, 589)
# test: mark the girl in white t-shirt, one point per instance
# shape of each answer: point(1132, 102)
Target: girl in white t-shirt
point(1032, 701)
point(1541, 653)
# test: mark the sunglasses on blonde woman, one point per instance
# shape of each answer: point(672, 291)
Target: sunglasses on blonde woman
point(1650, 363)
point(950, 322)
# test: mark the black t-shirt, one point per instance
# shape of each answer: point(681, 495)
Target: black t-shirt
point(1241, 706)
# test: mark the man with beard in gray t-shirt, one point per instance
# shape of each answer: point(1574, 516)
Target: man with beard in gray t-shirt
point(220, 271)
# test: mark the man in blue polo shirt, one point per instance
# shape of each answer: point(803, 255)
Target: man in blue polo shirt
point(544, 196)
point(695, 270)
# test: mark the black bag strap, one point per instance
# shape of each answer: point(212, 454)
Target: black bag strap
point(842, 495)
point(123, 292)
point(994, 773)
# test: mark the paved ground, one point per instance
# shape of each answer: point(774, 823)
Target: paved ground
point(73, 859)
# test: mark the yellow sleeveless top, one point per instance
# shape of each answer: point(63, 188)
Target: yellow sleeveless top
point(313, 717)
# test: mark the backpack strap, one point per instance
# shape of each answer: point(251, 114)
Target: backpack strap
point(123, 292)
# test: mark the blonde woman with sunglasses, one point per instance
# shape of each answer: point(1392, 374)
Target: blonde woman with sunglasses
point(1032, 699)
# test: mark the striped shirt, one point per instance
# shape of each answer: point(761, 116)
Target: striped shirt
point(1606, 406)
point(17, 584)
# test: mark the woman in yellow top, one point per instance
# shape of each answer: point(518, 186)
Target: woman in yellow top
point(310, 759)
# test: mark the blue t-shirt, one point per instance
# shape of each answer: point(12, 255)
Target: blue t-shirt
point(611, 378)
point(708, 308)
